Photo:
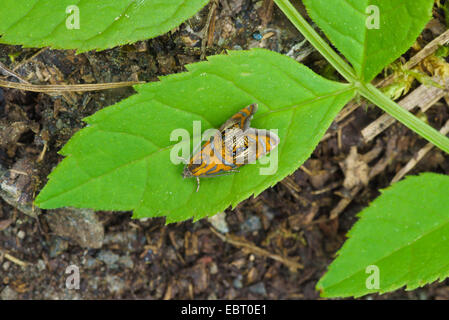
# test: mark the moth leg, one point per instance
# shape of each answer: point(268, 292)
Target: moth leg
point(198, 184)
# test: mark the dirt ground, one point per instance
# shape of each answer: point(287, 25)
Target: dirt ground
point(275, 246)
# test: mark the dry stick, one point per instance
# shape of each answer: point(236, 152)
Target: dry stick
point(331, 186)
point(208, 28)
point(343, 203)
point(290, 184)
point(14, 259)
point(418, 156)
point(350, 108)
point(67, 88)
point(423, 97)
point(267, 12)
point(430, 48)
point(211, 29)
point(23, 62)
point(293, 265)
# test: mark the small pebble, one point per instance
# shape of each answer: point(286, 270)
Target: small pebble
point(40, 265)
point(59, 124)
point(219, 222)
point(126, 262)
point(21, 235)
point(252, 224)
point(213, 268)
point(6, 266)
point(238, 282)
point(109, 258)
point(58, 246)
point(8, 294)
point(258, 288)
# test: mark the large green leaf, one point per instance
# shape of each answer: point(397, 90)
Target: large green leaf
point(103, 24)
point(369, 49)
point(404, 233)
point(121, 161)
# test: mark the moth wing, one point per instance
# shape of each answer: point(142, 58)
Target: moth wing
point(211, 162)
point(222, 146)
point(259, 143)
point(219, 153)
point(242, 118)
point(268, 140)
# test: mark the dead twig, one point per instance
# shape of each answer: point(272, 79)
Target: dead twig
point(292, 265)
point(267, 12)
point(209, 29)
point(67, 87)
point(23, 62)
point(14, 259)
point(343, 203)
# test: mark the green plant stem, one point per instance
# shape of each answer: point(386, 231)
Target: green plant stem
point(314, 38)
point(365, 89)
point(377, 97)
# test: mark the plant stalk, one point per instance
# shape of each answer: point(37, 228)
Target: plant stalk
point(412, 122)
point(314, 38)
point(367, 90)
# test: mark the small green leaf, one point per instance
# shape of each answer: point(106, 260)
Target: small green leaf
point(102, 24)
point(404, 234)
point(370, 49)
point(121, 161)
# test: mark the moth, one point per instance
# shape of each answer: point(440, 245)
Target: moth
point(232, 146)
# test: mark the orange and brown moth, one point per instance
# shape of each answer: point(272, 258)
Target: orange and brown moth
point(234, 145)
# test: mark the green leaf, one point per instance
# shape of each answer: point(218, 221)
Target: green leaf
point(369, 49)
point(121, 161)
point(404, 233)
point(102, 24)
